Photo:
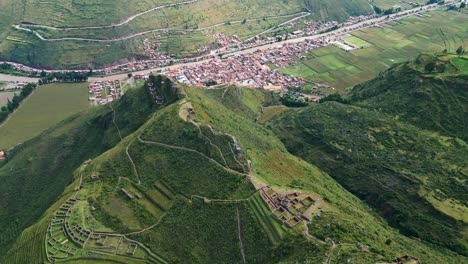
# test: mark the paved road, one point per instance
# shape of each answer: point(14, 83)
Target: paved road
point(334, 34)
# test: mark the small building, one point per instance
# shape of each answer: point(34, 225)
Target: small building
point(2, 155)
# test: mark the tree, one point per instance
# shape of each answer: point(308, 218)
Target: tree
point(460, 50)
point(430, 67)
point(129, 75)
point(462, 5)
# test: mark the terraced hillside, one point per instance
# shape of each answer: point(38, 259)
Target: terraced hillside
point(180, 28)
point(398, 143)
point(185, 187)
point(44, 166)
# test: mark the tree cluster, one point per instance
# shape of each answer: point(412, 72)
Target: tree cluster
point(64, 77)
point(15, 102)
point(293, 100)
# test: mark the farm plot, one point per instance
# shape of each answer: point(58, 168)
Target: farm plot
point(48, 105)
point(398, 41)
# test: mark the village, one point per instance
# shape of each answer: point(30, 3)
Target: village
point(104, 92)
point(327, 32)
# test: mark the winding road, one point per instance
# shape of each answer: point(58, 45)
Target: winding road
point(179, 31)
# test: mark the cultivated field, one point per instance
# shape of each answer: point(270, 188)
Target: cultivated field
point(395, 42)
point(47, 105)
point(4, 96)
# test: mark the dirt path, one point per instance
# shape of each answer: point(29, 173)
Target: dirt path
point(190, 150)
point(330, 253)
point(126, 21)
point(113, 121)
point(239, 229)
point(209, 141)
point(131, 161)
point(28, 29)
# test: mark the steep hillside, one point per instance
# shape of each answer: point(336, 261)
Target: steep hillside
point(186, 187)
point(38, 171)
point(380, 147)
point(430, 92)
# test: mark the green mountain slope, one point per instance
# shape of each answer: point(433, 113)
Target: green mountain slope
point(435, 99)
point(182, 188)
point(415, 178)
point(38, 170)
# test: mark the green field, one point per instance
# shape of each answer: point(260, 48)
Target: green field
point(48, 105)
point(357, 41)
point(397, 42)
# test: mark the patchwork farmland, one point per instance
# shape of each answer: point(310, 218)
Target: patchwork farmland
point(380, 47)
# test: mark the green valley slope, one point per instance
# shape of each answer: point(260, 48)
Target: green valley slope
point(398, 144)
point(179, 187)
point(38, 170)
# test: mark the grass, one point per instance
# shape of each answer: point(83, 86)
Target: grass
point(48, 105)
point(209, 233)
point(357, 41)
point(272, 164)
point(31, 182)
point(369, 151)
point(262, 213)
point(397, 42)
point(195, 230)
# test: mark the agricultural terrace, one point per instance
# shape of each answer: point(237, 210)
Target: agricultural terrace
point(180, 28)
point(46, 106)
point(380, 47)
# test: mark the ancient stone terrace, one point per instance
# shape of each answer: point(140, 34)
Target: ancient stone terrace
point(289, 208)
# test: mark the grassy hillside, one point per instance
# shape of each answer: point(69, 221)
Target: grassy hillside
point(173, 188)
point(434, 99)
point(414, 177)
point(38, 170)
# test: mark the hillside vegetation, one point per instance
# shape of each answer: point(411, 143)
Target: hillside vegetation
point(182, 186)
point(38, 170)
point(398, 144)
point(430, 92)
